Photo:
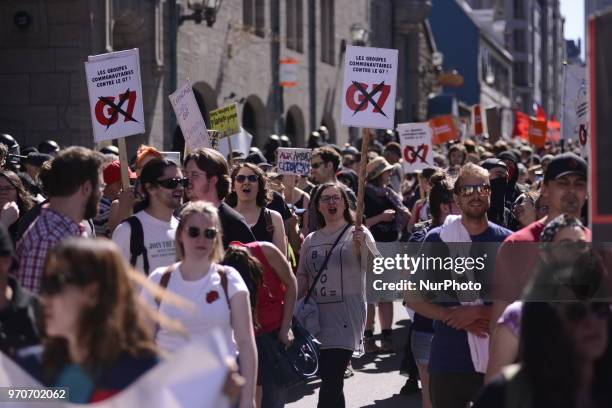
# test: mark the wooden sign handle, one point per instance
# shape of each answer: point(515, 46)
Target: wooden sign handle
point(123, 160)
point(365, 142)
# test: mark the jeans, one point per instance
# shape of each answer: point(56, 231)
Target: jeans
point(332, 364)
point(274, 395)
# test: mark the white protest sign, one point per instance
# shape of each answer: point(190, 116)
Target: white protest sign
point(370, 77)
point(582, 118)
point(189, 117)
point(293, 161)
point(241, 142)
point(192, 377)
point(115, 95)
point(417, 150)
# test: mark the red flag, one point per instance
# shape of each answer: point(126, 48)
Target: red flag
point(554, 131)
point(539, 111)
point(521, 125)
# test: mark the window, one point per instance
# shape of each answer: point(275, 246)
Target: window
point(327, 31)
point(295, 25)
point(519, 40)
point(519, 9)
point(520, 74)
point(253, 16)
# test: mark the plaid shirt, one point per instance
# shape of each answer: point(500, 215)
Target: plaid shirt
point(47, 230)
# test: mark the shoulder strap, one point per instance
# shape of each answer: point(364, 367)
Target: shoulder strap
point(137, 246)
point(223, 275)
point(268, 219)
point(163, 282)
point(324, 265)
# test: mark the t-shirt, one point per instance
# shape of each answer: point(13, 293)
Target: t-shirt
point(158, 240)
point(211, 307)
point(234, 226)
point(340, 290)
point(101, 220)
point(450, 352)
point(374, 205)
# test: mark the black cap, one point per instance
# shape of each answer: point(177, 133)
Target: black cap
point(257, 159)
point(508, 155)
point(564, 164)
point(6, 244)
point(37, 159)
point(492, 163)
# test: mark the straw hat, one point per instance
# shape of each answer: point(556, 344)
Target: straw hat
point(377, 167)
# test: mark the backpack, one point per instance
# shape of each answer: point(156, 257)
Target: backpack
point(137, 246)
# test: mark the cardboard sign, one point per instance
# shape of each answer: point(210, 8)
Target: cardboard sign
point(241, 142)
point(293, 161)
point(370, 77)
point(289, 70)
point(189, 117)
point(444, 129)
point(537, 132)
point(115, 95)
point(225, 120)
point(477, 127)
point(417, 149)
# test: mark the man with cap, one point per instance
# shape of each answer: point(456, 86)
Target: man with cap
point(19, 309)
point(498, 212)
point(564, 189)
point(112, 180)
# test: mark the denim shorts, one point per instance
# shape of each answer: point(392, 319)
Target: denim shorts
point(420, 342)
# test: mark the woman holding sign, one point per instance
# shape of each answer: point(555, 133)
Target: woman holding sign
point(249, 197)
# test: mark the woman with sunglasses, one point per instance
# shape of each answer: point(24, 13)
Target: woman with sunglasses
point(96, 344)
point(249, 197)
point(561, 241)
point(219, 294)
point(339, 291)
point(565, 350)
point(15, 201)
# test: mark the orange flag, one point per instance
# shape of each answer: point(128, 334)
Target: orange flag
point(521, 125)
point(537, 132)
point(444, 129)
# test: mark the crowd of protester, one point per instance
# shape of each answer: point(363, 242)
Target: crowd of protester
point(201, 245)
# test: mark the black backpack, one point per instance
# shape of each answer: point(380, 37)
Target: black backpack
point(137, 246)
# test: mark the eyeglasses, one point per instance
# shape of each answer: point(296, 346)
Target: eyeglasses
point(329, 199)
point(173, 183)
point(241, 178)
point(209, 233)
point(576, 312)
point(51, 285)
point(316, 165)
point(469, 189)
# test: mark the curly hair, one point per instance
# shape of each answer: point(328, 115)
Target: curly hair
point(25, 201)
point(110, 328)
point(263, 194)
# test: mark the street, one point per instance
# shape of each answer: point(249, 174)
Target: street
point(376, 382)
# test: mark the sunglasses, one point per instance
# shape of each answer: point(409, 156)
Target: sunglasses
point(53, 284)
point(576, 312)
point(469, 189)
point(316, 165)
point(241, 178)
point(173, 183)
point(208, 233)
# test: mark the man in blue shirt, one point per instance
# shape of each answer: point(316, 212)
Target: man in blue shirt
point(459, 348)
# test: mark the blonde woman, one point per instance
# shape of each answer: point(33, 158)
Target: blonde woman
point(220, 296)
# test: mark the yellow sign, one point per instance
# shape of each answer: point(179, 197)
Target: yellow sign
point(225, 120)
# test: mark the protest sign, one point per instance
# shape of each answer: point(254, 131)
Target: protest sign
point(417, 149)
point(225, 120)
point(553, 133)
point(444, 129)
point(289, 70)
point(370, 76)
point(477, 128)
point(240, 142)
point(189, 117)
point(537, 132)
point(193, 376)
point(582, 118)
point(293, 161)
point(493, 124)
point(115, 95)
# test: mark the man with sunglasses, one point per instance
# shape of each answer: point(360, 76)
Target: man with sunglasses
point(209, 180)
point(564, 190)
point(459, 346)
point(146, 238)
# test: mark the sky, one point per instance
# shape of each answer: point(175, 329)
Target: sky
point(573, 11)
